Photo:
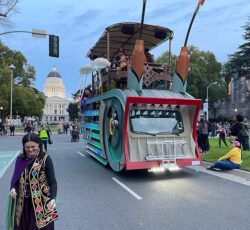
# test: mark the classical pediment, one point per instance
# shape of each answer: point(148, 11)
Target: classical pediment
point(56, 99)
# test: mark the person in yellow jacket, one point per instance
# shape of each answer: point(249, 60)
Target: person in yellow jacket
point(232, 160)
point(44, 136)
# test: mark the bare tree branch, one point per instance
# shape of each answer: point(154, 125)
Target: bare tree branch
point(7, 7)
point(10, 5)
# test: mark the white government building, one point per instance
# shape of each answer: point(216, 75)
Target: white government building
point(56, 105)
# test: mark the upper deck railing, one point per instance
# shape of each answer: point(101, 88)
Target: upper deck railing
point(156, 76)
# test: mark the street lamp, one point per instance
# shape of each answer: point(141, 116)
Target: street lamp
point(207, 96)
point(1, 108)
point(12, 68)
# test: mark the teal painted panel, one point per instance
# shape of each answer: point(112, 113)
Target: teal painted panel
point(91, 113)
point(88, 134)
point(93, 126)
point(95, 150)
point(95, 135)
point(102, 160)
point(94, 143)
point(178, 85)
point(117, 93)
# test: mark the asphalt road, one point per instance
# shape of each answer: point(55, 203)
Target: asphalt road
point(93, 197)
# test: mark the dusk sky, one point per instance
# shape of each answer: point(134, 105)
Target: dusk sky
point(217, 28)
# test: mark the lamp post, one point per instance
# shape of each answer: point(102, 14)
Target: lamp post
point(12, 68)
point(207, 96)
point(1, 108)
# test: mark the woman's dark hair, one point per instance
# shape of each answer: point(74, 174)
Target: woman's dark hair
point(32, 137)
point(239, 118)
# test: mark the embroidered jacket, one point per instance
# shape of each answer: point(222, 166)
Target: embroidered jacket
point(40, 193)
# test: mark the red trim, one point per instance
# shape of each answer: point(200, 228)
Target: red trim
point(149, 100)
point(152, 164)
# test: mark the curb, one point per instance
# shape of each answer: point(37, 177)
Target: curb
point(236, 172)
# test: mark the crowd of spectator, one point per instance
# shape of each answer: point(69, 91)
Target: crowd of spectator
point(236, 130)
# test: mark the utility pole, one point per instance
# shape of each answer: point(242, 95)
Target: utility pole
point(12, 68)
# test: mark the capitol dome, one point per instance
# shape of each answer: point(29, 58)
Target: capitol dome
point(54, 85)
point(54, 73)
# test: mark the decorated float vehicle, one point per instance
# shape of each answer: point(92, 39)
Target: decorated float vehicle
point(139, 117)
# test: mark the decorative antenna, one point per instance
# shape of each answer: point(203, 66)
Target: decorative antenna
point(137, 60)
point(142, 18)
point(201, 2)
point(182, 63)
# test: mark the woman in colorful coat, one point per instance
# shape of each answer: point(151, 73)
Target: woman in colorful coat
point(34, 186)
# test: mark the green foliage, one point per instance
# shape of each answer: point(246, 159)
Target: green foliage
point(164, 59)
point(26, 100)
point(239, 63)
point(28, 103)
point(215, 153)
point(204, 70)
point(73, 111)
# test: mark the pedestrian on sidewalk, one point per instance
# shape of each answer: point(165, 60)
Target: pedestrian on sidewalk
point(203, 135)
point(232, 160)
point(12, 130)
point(245, 135)
point(222, 135)
point(34, 187)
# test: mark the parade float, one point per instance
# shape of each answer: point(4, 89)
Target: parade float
point(140, 117)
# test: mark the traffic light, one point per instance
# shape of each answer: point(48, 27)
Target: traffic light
point(53, 46)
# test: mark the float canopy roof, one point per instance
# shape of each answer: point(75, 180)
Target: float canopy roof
point(124, 35)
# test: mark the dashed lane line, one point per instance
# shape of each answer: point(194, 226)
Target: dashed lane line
point(81, 154)
point(127, 189)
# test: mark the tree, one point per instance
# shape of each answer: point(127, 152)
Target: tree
point(239, 62)
point(28, 76)
point(73, 111)
point(6, 8)
point(164, 59)
point(26, 99)
point(204, 70)
point(28, 102)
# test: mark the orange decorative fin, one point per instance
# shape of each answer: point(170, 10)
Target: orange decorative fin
point(137, 60)
point(201, 2)
point(182, 64)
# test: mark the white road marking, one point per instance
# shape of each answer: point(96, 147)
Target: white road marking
point(224, 175)
point(127, 188)
point(81, 154)
point(3, 170)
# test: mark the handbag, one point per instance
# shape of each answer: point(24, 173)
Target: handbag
point(10, 216)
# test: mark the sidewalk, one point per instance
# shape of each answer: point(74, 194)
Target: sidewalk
point(20, 133)
point(236, 175)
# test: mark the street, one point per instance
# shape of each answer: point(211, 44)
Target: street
point(91, 196)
